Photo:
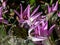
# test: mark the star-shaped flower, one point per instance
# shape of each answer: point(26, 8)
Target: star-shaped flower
point(26, 14)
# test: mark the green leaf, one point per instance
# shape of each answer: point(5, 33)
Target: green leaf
point(51, 2)
point(32, 2)
point(59, 1)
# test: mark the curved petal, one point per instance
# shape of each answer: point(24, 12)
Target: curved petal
point(51, 29)
point(35, 10)
point(16, 13)
point(38, 39)
point(49, 9)
point(55, 7)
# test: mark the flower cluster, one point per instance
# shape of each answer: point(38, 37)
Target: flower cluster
point(38, 23)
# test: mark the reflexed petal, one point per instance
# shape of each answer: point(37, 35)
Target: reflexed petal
point(35, 11)
point(49, 9)
point(5, 11)
point(39, 30)
point(51, 29)
point(35, 16)
point(38, 39)
point(16, 13)
point(28, 11)
point(46, 25)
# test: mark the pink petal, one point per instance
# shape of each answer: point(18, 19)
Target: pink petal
point(35, 16)
point(51, 29)
point(16, 13)
point(49, 9)
point(28, 11)
point(1, 11)
point(35, 11)
point(21, 11)
point(5, 11)
point(55, 7)
point(4, 4)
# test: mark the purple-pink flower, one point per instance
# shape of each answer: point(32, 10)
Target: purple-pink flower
point(26, 14)
point(36, 22)
point(53, 8)
point(41, 30)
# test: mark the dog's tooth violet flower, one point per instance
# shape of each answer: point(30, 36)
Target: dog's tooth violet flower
point(54, 8)
point(26, 14)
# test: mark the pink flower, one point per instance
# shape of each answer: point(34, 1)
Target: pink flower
point(53, 8)
point(41, 30)
point(26, 14)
